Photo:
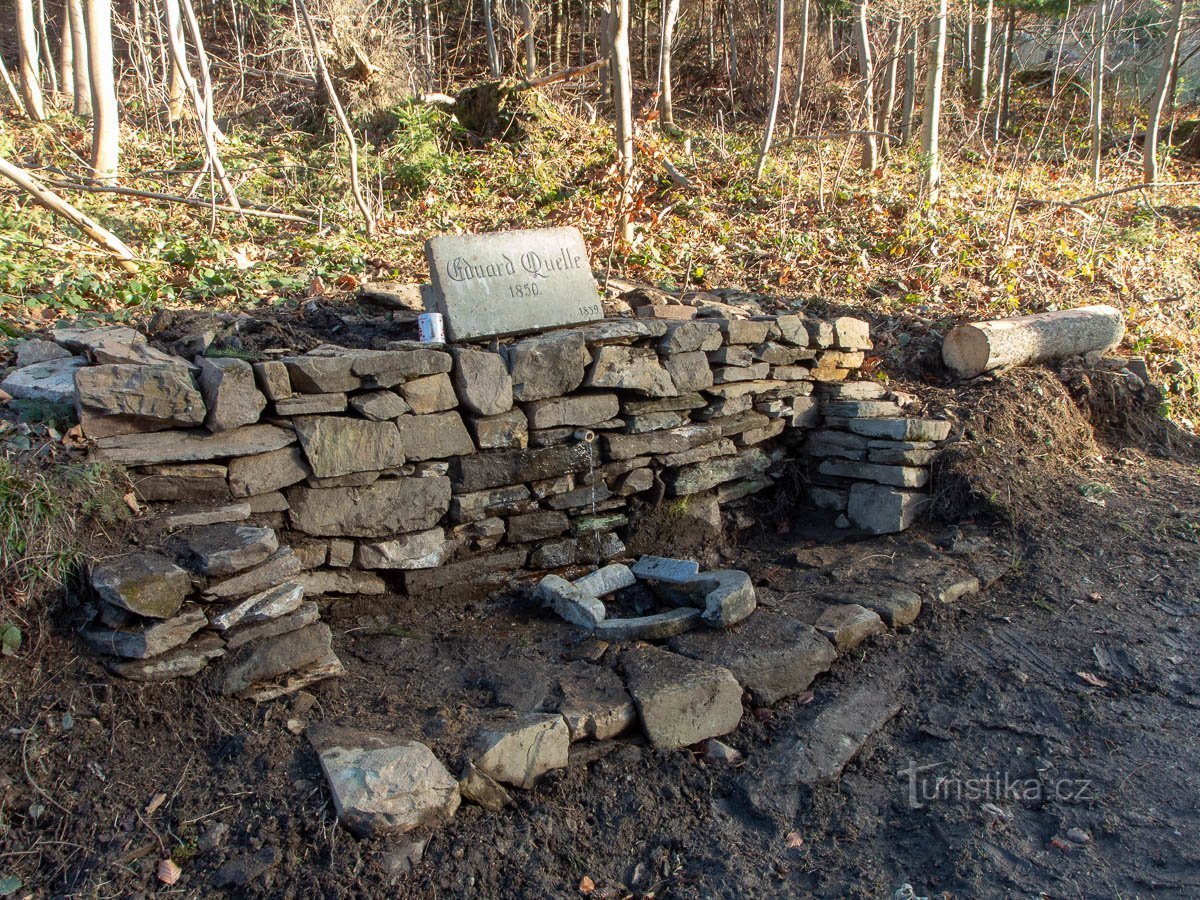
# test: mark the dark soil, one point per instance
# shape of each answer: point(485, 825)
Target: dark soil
point(1073, 681)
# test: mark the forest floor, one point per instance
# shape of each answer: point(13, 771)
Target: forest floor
point(1074, 677)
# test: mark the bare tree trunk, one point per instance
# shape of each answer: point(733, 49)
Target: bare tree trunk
point(801, 64)
point(323, 74)
point(106, 128)
point(982, 57)
point(731, 39)
point(1100, 24)
point(645, 39)
point(530, 45)
point(210, 116)
point(1062, 39)
point(607, 75)
point(1006, 67)
point(79, 47)
point(931, 163)
point(622, 90)
point(769, 130)
point(910, 85)
point(177, 83)
point(8, 83)
point(56, 204)
point(66, 58)
point(44, 43)
point(883, 120)
point(968, 43)
point(666, 105)
point(866, 75)
point(31, 77)
point(493, 51)
point(1170, 55)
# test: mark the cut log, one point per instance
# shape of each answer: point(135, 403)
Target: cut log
point(979, 347)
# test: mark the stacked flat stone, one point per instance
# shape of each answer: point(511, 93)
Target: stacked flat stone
point(869, 462)
point(222, 589)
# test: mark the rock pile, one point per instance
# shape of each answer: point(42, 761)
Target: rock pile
point(225, 591)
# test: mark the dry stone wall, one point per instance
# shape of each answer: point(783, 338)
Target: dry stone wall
point(422, 468)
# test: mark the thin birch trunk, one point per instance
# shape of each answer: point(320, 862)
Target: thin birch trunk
point(1170, 55)
point(530, 45)
point(1100, 24)
point(866, 75)
point(66, 58)
point(666, 106)
point(1006, 72)
point(883, 119)
point(31, 76)
point(801, 64)
point(769, 130)
point(982, 57)
point(931, 163)
point(8, 83)
point(493, 51)
point(79, 47)
point(323, 74)
point(622, 89)
point(106, 133)
point(910, 85)
point(1062, 39)
point(44, 43)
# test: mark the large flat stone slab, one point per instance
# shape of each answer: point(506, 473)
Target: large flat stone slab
point(52, 381)
point(772, 656)
point(377, 510)
point(144, 583)
point(340, 445)
point(681, 701)
point(192, 446)
point(512, 282)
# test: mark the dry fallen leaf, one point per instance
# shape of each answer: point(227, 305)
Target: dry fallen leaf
point(168, 871)
point(586, 885)
point(159, 800)
point(132, 502)
point(794, 840)
point(1095, 597)
point(1092, 679)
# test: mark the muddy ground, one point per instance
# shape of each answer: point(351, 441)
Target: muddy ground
point(1059, 709)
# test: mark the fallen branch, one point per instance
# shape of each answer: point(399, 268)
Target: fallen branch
point(563, 75)
point(1104, 195)
point(56, 204)
point(979, 347)
point(244, 209)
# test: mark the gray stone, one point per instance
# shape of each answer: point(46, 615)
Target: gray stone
point(34, 351)
point(537, 526)
point(469, 578)
point(266, 472)
point(512, 282)
point(657, 627)
point(847, 625)
point(895, 605)
point(957, 588)
point(215, 515)
point(635, 482)
point(305, 614)
point(381, 785)
point(631, 368)
point(862, 409)
point(192, 446)
point(143, 583)
point(792, 330)
point(161, 393)
point(791, 373)
point(480, 504)
point(182, 662)
point(656, 570)
point(322, 374)
point(478, 537)
point(729, 374)
point(111, 344)
point(521, 752)
point(435, 436)
point(688, 371)
point(589, 524)
point(569, 602)
point(198, 482)
point(607, 580)
point(732, 355)
point(879, 509)
point(354, 479)
point(229, 392)
point(622, 331)
point(341, 581)
point(688, 337)
point(744, 331)
point(379, 406)
point(806, 412)
point(549, 365)
point(281, 566)
point(897, 476)
point(757, 435)
point(820, 334)
point(421, 550)
point(269, 604)
point(273, 379)
point(501, 467)
point(220, 550)
point(339, 445)
point(585, 496)
point(854, 390)
point(341, 553)
point(579, 410)
point(702, 476)
point(378, 510)
point(594, 703)
point(727, 596)
point(772, 656)
point(311, 405)
point(682, 403)
point(675, 440)
point(681, 701)
point(902, 429)
point(829, 498)
point(778, 354)
point(152, 640)
point(505, 431)
point(268, 660)
point(483, 790)
point(431, 394)
point(851, 334)
point(723, 447)
point(482, 380)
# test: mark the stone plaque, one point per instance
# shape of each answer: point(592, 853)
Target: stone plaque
point(512, 282)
